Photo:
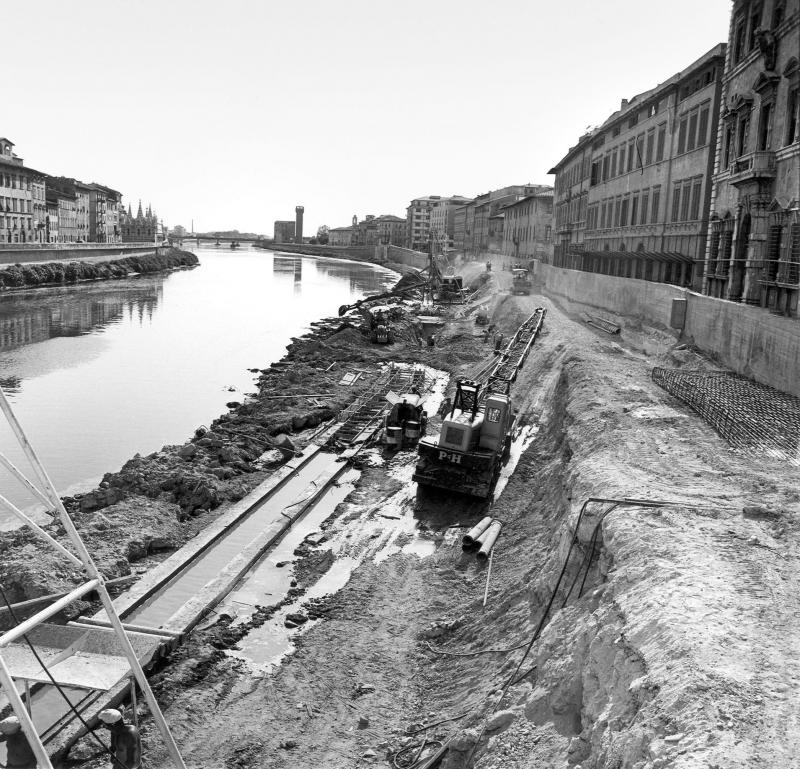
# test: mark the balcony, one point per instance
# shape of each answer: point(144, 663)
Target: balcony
point(753, 166)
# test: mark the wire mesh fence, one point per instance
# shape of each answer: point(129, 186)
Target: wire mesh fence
point(750, 416)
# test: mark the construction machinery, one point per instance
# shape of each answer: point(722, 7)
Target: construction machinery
point(482, 317)
point(475, 440)
point(520, 281)
point(406, 423)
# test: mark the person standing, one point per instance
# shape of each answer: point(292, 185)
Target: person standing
point(19, 754)
point(126, 743)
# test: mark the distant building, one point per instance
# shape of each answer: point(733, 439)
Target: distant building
point(284, 231)
point(342, 236)
point(374, 230)
point(632, 196)
point(442, 220)
point(73, 208)
point(61, 207)
point(104, 204)
point(142, 228)
point(753, 249)
point(18, 185)
point(528, 227)
point(483, 219)
point(418, 222)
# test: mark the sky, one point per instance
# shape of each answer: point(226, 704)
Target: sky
point(232, 113)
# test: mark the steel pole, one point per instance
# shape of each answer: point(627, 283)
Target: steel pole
point(21, 712)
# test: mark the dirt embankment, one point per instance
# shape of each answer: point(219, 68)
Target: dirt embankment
point(155, 503)
point(670, 631)
point(36, 274)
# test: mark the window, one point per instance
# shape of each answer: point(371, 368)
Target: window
point(682, 135)
point(662, 137)
point(755, 23)
point(630, 155)
point(778, 13)
point(652, 109)
point(622, 159)
point(633, 120)
point(605, 167)
point(613, 164)
point(623, 217)
point(617, 203)
point(713, 252)
point(602, 215)
point(741, 135)
point(729, 133)
point(690, 138)
point(676, 201)
point(651, 134)
point(685, 199)
point(697, 188)
point(615, 131)
point(634, 208)
point(640, 151)
point(655, 204)
point(702, 128)
point(765, 127)
point(793, 116)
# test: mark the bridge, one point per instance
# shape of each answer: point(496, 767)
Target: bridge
point(214, 238)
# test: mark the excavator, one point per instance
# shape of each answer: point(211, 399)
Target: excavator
point(405, 424)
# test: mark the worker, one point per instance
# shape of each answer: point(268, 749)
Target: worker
point(431, 341)
point(447, 404)
point(126, 743)
point(19, 754)
point(486, 335)
point(498, 343)
point(488, 266)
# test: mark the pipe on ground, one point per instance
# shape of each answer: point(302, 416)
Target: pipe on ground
point(488, 539)
point(470, 539)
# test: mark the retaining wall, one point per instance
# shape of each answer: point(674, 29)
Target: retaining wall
point(75, 251)
point(748, 340)
point(406, 256)
point(356, 253)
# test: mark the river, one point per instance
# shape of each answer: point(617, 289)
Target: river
point(100, 371)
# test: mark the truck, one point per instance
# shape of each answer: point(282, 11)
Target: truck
point(520, 281)
point(475, 440)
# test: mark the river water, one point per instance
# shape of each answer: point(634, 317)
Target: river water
point(100, 371)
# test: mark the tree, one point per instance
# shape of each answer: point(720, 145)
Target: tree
point(322, 234)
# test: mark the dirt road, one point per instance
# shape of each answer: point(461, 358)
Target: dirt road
point(675, 646)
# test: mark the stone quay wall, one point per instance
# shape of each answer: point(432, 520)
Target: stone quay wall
point(748, 340)
point(51, 252)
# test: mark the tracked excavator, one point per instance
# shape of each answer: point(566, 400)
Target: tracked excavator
point(475, 441)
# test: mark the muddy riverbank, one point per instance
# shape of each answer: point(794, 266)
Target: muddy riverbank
point(35, 274)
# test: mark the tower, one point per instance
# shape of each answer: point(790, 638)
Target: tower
point(298, 224)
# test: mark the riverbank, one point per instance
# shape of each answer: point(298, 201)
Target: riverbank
point(38, 274)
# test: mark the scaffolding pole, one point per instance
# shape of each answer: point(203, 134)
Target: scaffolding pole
point(97, 583)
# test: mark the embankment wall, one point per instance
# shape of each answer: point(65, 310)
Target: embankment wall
point(748, 340)
point(76, 251)
point(356, 253)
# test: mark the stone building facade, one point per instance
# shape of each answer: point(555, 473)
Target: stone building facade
point(632, 196)
point(442, 220)
point(753, 250)
point(284, 231)
point(18, 185)
point(104, 205)
point(418, 222)
point(528, 227)
point(142, 228)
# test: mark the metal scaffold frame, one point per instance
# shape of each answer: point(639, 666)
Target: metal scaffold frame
point(46, 493)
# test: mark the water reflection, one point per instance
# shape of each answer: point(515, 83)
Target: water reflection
point(34, 316)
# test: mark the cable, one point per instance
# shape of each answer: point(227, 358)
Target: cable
point(58, 687)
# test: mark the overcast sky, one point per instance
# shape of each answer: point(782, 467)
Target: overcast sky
point(231, 113)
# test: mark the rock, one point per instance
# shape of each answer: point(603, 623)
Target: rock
point(363, 722)
point(757, 513)
point(369, 754)
point(288, 623)
point(674, 737)
point(288, 745)
point(284, 444)
point(500, 720)
point(188, 451)
point(464, 740)
point(297, 618)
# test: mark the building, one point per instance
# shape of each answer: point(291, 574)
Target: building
point(753, 249)
point(442, 220)
point(528, 227)
point(374, 230)
point(298, 223)
point(418, 222)
point(632, 196)
point(142, 228)
point(18, 185)
point(391, 230)
point(104, 204)
point(283, 231)
point(73, 208)
point(483, 219)
point(342, 236)
point(61, 215)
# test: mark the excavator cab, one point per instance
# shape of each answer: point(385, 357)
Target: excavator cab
point(461, 428)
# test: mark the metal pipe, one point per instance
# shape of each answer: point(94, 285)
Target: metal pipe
point(21, 712)
point(20, 476)
point(40, 531)
point(31, 602)
point(470, 539)
point(30, 623)
point(490, 537)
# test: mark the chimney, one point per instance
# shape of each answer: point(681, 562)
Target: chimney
point(623, 104)
point(298, 224)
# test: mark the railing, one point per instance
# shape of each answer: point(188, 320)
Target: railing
point(754, 164)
